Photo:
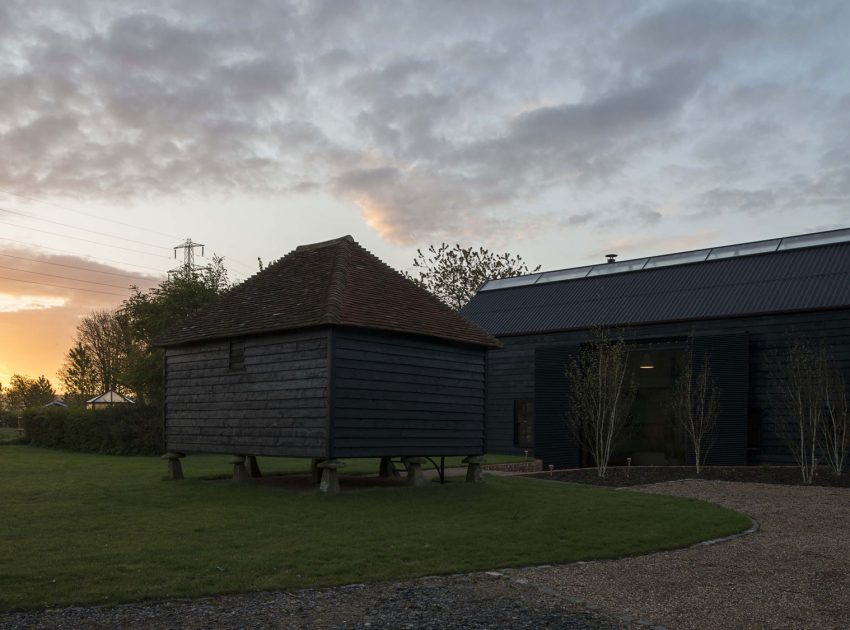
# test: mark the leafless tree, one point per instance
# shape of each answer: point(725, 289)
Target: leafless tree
point(601, 394)
point(835, 428)
point(805, 375)
point(695, 406)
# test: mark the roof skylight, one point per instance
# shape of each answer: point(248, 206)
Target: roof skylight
point(681, 258)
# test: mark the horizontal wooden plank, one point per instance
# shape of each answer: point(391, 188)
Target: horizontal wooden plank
point(460, 397)
point(351, 358)
point(280, 450)
point(415, 413)
point(364, 388)
point(380, 372)
point(348, 437)
point(248, 385)
point(404, 424)
point(316, 402)
point(248, 423)
point(191, 413)
point(398, 405)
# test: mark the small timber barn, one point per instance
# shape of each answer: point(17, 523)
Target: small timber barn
point(741, 306)
point(327, 353)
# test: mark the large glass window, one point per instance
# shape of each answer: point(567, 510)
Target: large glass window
point(653, 437)
point(524, 423)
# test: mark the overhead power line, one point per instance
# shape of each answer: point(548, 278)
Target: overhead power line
point(88, 214)
point(53, 275)
point(89, 269)
point(74, 227)
point(84, 240)
point(60, 286)
point(79, 255)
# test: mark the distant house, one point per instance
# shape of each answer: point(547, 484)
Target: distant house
point(56, 403)
point(327, 353)
point(108, 399)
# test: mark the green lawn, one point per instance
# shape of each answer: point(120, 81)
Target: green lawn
point(81, 528)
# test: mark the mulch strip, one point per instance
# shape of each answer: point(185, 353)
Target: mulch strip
point(620, 476)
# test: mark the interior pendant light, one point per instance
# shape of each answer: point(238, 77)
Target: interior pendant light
point(646, 362)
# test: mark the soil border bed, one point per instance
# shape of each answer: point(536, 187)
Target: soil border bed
point(622, 476)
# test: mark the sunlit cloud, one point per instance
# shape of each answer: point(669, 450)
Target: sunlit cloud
point(14, 303)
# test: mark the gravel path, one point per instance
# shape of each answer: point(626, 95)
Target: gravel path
point(480, 600)
point(794, 572)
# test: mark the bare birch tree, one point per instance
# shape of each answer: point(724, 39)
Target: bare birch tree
point(835, 428)
point(601, 394)
point(695, 406)
point(805, 398)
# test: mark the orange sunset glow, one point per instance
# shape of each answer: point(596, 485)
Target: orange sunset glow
point(39, 310)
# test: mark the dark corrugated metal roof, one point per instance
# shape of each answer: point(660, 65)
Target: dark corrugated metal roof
point(792, 280)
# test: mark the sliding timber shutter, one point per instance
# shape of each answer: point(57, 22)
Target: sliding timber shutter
point(553, 442)
point(728, 358)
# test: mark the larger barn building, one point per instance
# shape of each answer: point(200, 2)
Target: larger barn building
point(741, 306)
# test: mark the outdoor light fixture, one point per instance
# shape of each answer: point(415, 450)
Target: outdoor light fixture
point(646, 362)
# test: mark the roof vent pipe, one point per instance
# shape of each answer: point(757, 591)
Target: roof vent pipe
point(611, 258)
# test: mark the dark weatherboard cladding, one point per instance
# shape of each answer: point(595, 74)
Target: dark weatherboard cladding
point(326, 353)
point(741, 306)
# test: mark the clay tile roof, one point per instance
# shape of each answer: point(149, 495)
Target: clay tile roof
point(335, 283)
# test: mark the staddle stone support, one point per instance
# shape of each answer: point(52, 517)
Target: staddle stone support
point(253, 467)
point(414, 471)
point(473, 468)
point(315, 471)
point(240, 473)
point(330, 477)
point(387, 470)
point(175, 468)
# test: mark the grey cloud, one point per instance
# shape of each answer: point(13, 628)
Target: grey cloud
point(432, 126)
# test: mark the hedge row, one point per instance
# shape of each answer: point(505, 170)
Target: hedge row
point(118, 430)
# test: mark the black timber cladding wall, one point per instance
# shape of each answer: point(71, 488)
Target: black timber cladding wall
point(277, 406)
point(399, 395)
point(511, 369)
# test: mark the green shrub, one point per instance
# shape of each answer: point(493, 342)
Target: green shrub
point(8, 418)
point(118, 430)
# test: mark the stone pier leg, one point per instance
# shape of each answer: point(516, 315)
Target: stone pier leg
point(240, 473)
point(315, 471)
point(253, 467)
point(414, 471)
point(175, 468)
point(387, 470)
point(330, 477)
point(473, 469)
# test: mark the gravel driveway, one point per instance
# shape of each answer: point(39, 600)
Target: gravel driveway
point(794, 572)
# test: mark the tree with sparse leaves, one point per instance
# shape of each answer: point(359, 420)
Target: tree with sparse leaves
point(151, 313)
point(695, 407)
point(454, 273)
point(600, 396)
point(101, 344)
point(25, 392)
point(79, 375)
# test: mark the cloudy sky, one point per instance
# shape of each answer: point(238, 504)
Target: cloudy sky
point(557, 130)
